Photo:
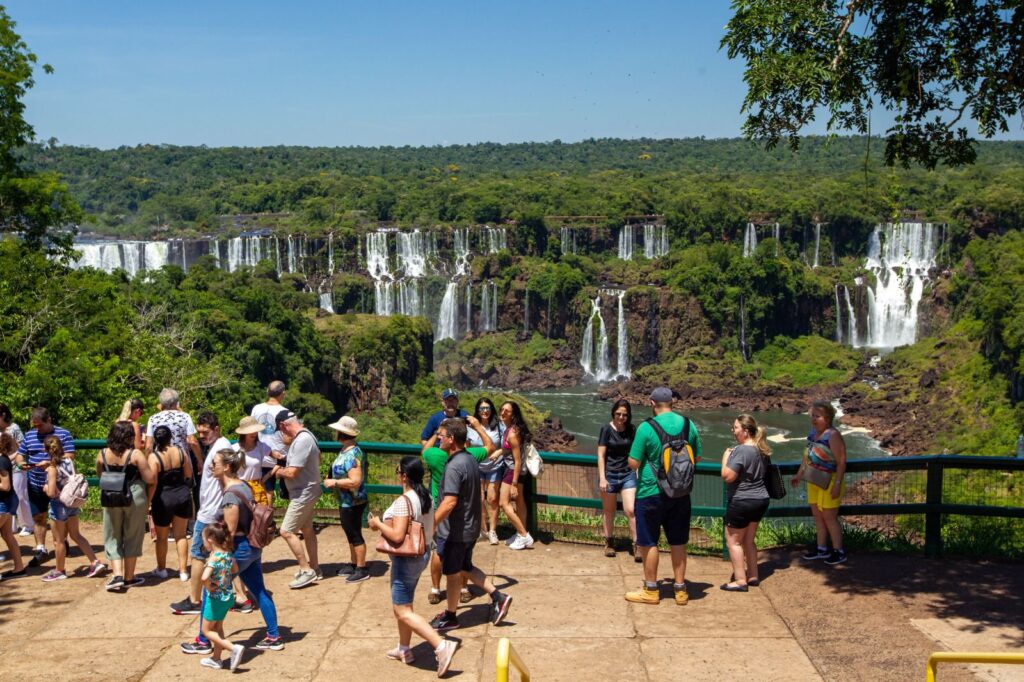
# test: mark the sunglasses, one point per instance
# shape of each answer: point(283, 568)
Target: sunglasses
point(484, 408)
point(398, 471)
point(622, 414)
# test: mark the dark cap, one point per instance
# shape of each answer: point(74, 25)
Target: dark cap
point(283, 416)
point(449, 393)
point(662, 394)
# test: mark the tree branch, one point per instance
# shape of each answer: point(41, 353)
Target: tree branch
point(851, 12)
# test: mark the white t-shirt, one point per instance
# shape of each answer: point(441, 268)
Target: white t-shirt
point(252, 470)
point(210, 492)
point(398, 508)
point(265, 414)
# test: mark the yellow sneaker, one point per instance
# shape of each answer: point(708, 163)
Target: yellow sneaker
point(682, 598)
point(643, 596)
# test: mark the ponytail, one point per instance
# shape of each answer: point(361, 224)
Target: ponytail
point(412, 467)
point(762, 443)
point(756, 432)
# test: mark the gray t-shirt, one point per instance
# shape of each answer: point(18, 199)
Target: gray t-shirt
point(746, 461)
point(461, 478)
point(305, 454)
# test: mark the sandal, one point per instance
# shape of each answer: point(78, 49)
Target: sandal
point(753, 582)
point(609, 548)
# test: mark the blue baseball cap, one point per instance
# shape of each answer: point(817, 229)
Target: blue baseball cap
point(449, 393)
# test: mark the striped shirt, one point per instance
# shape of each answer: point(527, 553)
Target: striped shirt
point(32, 450)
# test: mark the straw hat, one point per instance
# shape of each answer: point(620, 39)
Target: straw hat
point(346, 425)
point(248, 425)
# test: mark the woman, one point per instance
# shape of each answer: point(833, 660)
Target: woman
point(348, 478)
point(743, 469)
point(8, 504)
point(64, 518)
point(22, 517)
point(256, 452)
point(614, 474)
point(124, 527)
point(236, 509)
point(131, 412)
point(171, 505)
point(517, 435)
point(412, 505)
point(826, 451)
point(492, 469)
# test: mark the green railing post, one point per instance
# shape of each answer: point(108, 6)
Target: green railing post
point(531, 504)
point(933, 517)
point(725, 504)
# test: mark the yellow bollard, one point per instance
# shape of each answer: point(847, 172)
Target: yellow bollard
point(506, 656)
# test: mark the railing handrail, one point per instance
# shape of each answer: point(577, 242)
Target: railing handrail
point(968, 657)
point(508, 655)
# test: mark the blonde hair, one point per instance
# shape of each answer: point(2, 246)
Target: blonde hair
point(54, 449)
point(232, 459)
point(756, 432)
point(827, 409)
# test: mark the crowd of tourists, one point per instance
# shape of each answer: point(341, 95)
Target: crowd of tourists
point(213, 501)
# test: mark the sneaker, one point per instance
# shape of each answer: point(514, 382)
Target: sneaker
point(319, 575)
point(115, 583)
point(303, 578)
point(270, 644)
point(499, 609)
point(346, 569)
point(445, 653)
point(197, 646)
point(529, 541)
point(435, 596)
point(96, 568)
point(135, 582)
point(465, 596)
point(358, 575)
point(643, 596)
point(38, 557)
point(54, 575)
point(838, 556)
point(185, 607)
point(11, 575)
point(511, 539)
point(445, 621)
point(24, 532)
point(160, 573)
point(210, 663)
point(816, 553)
point(242, 607)
point(397, 654)
point(519, 542)
point(236, 656)
point(492, 537)
point(183, 576)
point(682, 597)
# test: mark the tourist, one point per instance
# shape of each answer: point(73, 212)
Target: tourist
point(64, 518)
point(824, 462)
point(171, 507)
point(125, 526)
point(614, 474)
point(21, 519)
point(183, 435)
point(34, 454)
point(449, 408)
point(9, 505)
point(301, 475)
point(265, 414)
point(412, 505)
point(255, 454)
point(744, 467)
point(654, 509)
point(457, 526)
point(131, 411)
point(347, 478)
point(512, 496)
point(492, 468)
point(218, 594)
point(236, 511)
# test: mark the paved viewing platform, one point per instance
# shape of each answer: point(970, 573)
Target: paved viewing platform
point(877, 617)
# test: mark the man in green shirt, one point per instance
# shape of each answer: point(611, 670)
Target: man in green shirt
point(654, 509)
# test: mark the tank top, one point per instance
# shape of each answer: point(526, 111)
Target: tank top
point(820, 445)
point(131, 472)
point(170, 479)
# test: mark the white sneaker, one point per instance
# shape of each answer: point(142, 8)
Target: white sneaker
point(236, 656)
point(518, 542)
point(210, 663)
point(183, 576)
point(24, 532)
point(161, 573)
point(492, 537)
point(511, 539)
point(529, 541)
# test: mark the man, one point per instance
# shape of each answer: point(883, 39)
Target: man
point(31, 448)
point(457, 527)
point(656, 510)
point(265, 413)
point(183, 434)
point(210, 498)
point(301, 475)
point(449, 408)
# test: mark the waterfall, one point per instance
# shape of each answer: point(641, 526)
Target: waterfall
point(601, 372)
point(412, 253)
point(626, 242)
point(469, 307)
point(655, 241)
point(622, 341)
point(497, 239)
point(377, 267)
point(277, 254)
point(851, 321)
point(749, 241)
point(650, 248)
point(817, 243)
point(568, 240)
point(488, 307)
point(900, 256)
point(448, 320)
point(330, 253)
point(839, 319)
point(461, 248)
point(408, 302)
point(215, 251)
point(383, 300)
point(325, 302)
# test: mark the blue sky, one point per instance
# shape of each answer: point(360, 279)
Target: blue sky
point(316, 73)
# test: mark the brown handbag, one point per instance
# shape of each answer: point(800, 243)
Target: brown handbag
point(413, 544)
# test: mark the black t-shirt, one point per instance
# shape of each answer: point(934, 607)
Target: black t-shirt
point(5, 465)
point(618, 445)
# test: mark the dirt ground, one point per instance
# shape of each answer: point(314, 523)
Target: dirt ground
point(874, 618)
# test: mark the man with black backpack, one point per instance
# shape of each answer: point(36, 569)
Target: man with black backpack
point(664, 455)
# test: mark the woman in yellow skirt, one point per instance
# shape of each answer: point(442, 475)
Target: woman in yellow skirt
point(823, 467)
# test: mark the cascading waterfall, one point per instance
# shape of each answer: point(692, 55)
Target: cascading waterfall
point(567, 236)
point(412, 253)
point(655, 241)
point(626, 242)
point(330, 253)
point(469, 307)
point(448, 319)
point(377, 267)
point(851, 316)
point(488, 306)
point(749, 241)
point(215, 251)
point(383, 300)
point(497, 239)
point(601, 372)
point(621, 340)
point(817, 243)
point(277, 253)
point(461, 248)
point(408, 302)
point(326, 302)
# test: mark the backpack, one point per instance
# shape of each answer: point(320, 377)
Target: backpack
point(676, 466)
point(75, 490)
point(532, 462)
point(262, 527)
point(115, 486)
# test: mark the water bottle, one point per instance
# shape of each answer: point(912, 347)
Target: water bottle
point(1020, 446)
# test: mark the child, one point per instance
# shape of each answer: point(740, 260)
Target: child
point(219, 595)
point(9, 504)
point(65, 519)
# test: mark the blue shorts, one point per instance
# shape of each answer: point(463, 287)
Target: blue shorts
point(660, 512)
point(405, 573)
point(198, 550)
point(495, 475)
point(617, 482)
point(11, 506)
point(61, 512)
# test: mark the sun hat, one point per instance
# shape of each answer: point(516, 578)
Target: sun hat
point(248, 425)
point(346, 425)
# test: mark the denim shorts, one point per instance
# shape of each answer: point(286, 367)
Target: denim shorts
point(10, 506)
point(61, 512)
point(198, 550)
point(493, 476)
point(660, 512)
point(405, 573)
point(617, 482)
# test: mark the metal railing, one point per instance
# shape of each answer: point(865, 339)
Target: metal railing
point(968, 657)
point(508, 656)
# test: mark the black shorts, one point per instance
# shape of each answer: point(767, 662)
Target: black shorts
point(38, 501)
point(352, 524)
point(170, 503)
point(455, 556)
point(742, 513)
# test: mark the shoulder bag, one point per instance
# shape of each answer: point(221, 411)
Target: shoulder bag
point(413, 544)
